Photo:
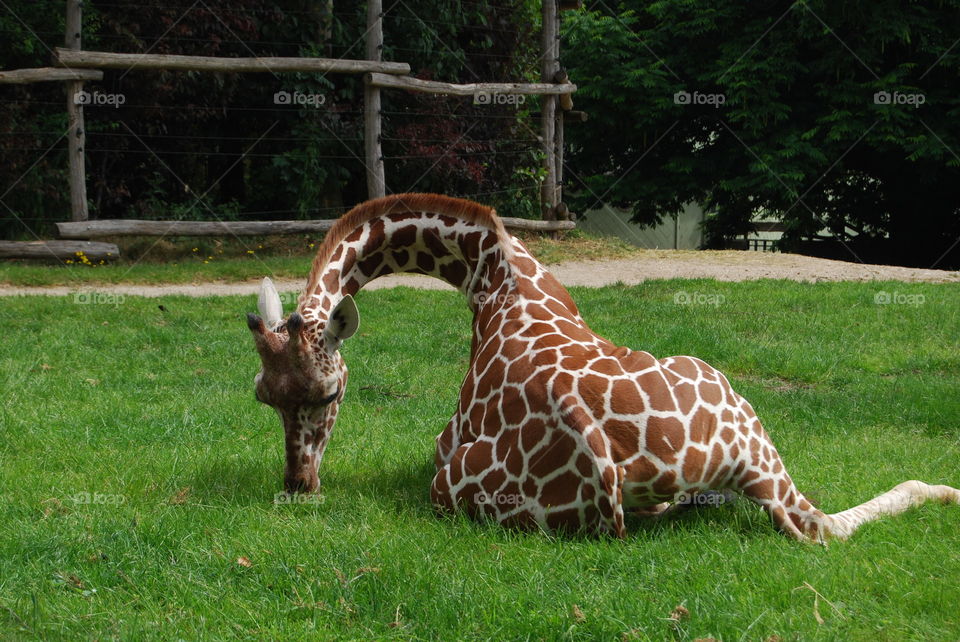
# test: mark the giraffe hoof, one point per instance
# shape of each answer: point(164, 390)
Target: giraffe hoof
point(651, 511)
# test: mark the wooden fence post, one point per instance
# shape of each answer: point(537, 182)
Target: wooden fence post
point(376, 182)
point(549, 65)
point(76, 136)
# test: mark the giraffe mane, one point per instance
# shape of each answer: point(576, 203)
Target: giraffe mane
point(458, 208)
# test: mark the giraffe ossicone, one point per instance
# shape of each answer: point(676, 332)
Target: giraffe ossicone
point(555, 426)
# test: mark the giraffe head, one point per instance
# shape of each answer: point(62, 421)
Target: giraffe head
point(303, 378)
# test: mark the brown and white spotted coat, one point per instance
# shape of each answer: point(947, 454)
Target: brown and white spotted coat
point(556, 427)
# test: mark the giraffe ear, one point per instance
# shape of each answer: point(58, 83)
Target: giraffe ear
point(269, 305)
point(344, 320)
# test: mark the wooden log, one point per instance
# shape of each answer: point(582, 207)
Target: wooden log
point(105, 60)
point(558, 163)
point(566, 100)
point(47, 74)
point(132, 227)
point(536, 226)
point(372, 123)
point(76, 143)
point(575, 117)
point(470, 89)
point(76, 134)
point(58, 250)
point(73, 25)
point(549, 65)
point(567, 5)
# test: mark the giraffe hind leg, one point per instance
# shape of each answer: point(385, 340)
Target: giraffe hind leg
point(791, 512)
point(893, 502)
point(795, 516)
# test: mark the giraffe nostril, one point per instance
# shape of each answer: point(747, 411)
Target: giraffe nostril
point(297, 485)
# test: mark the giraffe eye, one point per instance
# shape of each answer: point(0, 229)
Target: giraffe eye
point(326, 401)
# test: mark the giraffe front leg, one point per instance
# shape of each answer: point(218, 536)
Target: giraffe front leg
point(591, 502)
point(656, 510)
point(446, 443)
point(790, 511)
point(566, 502)
point(472, 482)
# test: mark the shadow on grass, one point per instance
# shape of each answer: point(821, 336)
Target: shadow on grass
point(399, 488)
point(737, 516)
point(235, 480)
point(405, 491)
point(245, 481)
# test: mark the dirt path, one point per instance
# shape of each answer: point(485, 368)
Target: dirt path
point(649, 264)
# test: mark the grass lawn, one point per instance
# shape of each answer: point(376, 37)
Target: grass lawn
point(151, 260)
point(138, 478)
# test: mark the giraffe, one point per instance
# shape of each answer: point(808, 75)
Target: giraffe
point(556, 428)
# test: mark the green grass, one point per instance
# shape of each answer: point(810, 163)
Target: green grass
point(188, 270)
point(154, 411)
point(149, 260)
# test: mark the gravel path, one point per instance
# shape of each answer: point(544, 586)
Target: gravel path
point(725, 265)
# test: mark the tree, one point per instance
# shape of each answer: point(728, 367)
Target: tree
point(829, 116)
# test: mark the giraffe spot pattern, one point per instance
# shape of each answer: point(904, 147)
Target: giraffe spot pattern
point(555, 426)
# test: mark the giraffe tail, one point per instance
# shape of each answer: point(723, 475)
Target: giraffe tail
point(893, 502)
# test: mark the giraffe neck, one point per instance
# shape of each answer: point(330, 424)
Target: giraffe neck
point(466, 255)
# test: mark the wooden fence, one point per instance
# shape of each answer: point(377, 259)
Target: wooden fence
point(76, 66)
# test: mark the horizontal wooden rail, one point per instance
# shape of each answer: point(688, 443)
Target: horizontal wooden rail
point(435, 87)
point(45, 74)
point(58, 250)
point(533, 225)
point(131, 227)
point(105, 60)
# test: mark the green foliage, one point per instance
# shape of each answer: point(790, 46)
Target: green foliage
point(33, 163)
point(799, 134)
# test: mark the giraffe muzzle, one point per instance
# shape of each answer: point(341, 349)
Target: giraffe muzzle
point(301, 483)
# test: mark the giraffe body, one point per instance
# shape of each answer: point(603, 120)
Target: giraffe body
point(555, 427)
